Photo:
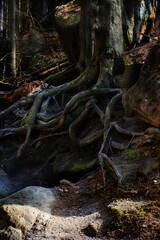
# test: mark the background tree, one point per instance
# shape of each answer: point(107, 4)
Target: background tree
point(13, 36)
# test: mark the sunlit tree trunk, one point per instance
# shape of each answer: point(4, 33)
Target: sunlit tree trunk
point(1, 18)
point(13, 35)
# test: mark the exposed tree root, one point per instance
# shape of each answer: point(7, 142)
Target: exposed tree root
point(11, 131)
point(118, 146)
point(48, 136)
point(87, 140)
point(18, 104)
point(99, 112)
point(37, 118)
point(109, 163)
point(29, 122)
point(104, 160)
point(96, 135)
point(125, 131)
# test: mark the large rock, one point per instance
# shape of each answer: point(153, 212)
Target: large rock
point(11, 233)
point(72, 165)
point(3, 192)
point(144, 96)
point(21, 209)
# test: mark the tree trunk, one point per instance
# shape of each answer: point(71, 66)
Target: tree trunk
point(109, 39)
point(85, 34)
point(5, 19)
point(13, 36)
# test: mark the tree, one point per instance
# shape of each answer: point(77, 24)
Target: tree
point(99, 58)
point(13, 36)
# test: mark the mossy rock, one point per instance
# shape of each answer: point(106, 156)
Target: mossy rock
point(72, 165)
point(67, 21)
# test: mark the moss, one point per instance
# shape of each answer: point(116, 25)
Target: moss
point(78, 111)
point(118, 212)
point(90, 164)
point(25, 119)
point(79, 77)
point(80, 165)
point(141, 211)
point(133, 152)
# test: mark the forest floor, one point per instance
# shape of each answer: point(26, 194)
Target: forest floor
point(85, 210)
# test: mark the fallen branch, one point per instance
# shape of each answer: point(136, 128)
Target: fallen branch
point(53, 70)
point(52, 65)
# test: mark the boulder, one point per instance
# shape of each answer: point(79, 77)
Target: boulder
point(3, 192)
point(11, 233)
point(22, 208)
point(73, 165)
point(143, 97)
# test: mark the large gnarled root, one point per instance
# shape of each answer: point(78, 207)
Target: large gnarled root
point(104, 160)
point(88, 77)
point(87, 140)
point(91, 104)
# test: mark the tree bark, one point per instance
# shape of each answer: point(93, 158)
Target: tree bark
point(85, 34)
point(13, 36)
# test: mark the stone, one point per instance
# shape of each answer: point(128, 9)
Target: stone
point(92, 230)
point(22, 208)
point(72, 165)
point(144, 96)
point(11, 233)
point(3, 193)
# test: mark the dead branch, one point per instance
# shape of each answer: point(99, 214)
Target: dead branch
point(52, 65)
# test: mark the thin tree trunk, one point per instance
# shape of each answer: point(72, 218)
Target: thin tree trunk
point(5, 19)
point(13, 37)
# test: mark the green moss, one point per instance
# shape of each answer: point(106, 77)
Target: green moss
point(80, 165)
point(118, 212)
point(90, 164)
point(141, 211)
point(25, 119)
point(78, 111)
point(79, 77)
point(133, 152)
